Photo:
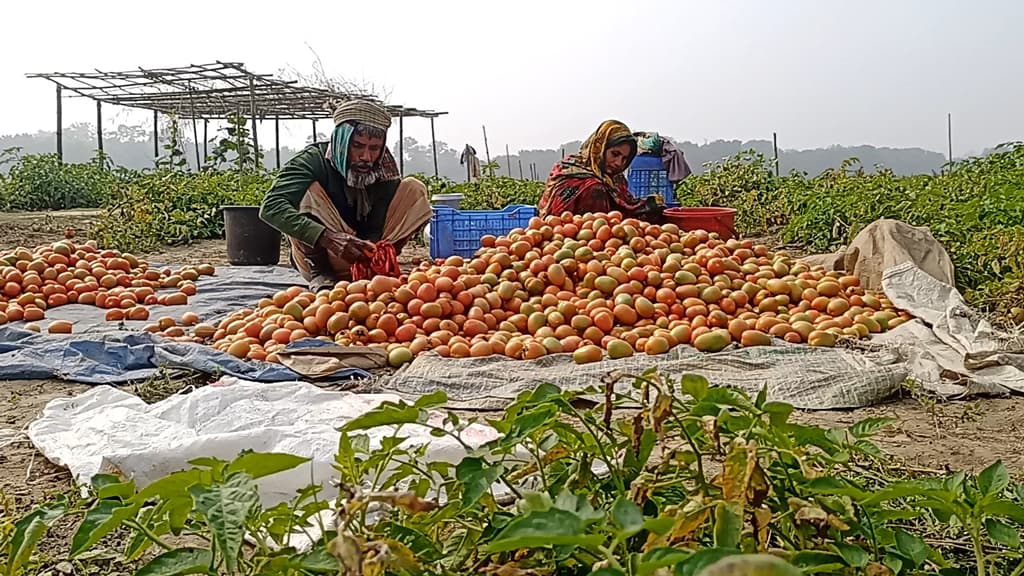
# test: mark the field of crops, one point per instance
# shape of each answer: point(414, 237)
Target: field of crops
point(974, 208)
point(697, 475)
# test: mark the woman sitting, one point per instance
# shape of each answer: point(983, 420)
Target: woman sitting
point(593, 181)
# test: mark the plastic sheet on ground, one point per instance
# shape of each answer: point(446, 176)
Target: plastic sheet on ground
point(101, 352)
point(940, 352)
point(107, 430)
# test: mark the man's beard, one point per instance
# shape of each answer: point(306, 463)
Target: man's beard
point(358, 179)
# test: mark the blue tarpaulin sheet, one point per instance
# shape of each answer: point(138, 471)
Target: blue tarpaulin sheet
point(101, 352)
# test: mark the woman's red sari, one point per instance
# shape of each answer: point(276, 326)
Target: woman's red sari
point(578, 183)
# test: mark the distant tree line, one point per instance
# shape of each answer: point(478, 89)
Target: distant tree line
point(132, 147)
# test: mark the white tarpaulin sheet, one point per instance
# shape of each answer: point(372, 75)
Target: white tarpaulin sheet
point(107, 430)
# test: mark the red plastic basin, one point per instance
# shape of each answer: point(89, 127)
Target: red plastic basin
point(711, 219)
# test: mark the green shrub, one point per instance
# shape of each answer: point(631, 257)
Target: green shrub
point(975, 209)
point(173, 207)
point(38, 182)
point(496, 192)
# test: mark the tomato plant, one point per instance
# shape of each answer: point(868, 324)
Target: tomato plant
point(662, 476)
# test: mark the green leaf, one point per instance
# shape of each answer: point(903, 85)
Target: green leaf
point(419, 543)
point(701, 559)
point(318, 560)
point(869, 427)
point(178, 511)
point(578, 505)
point(27, 533)
point(543, 393)
point(894, 562)
point(260, 464)
point(627, 516)
point(694, 386)
point(837, 486)
point(527, 422)
point(119, 491)
point(476, 477)
point(912, 547)
point(817, 562)
point(432, 400)
point(853, 555)
point(762, 397)
point(99, 481)
point(994, 479)
point(607, 571)
point(226, 507)
point(778, 412)
point(387, 414)
point(541, 529)
point(661, 525)
point(728, 524)
point(211, 463)
point(99, 521)
point(1006, 509)
point(1002, 533)
point(174, 484)
point(178, 561)
point(660, 558)
point(893, 491)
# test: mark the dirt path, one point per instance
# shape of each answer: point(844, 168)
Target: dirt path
point(928, 435)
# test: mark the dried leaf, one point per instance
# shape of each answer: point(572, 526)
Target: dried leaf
point(710, 426)
point(638, 430)
point(877, 569)
point(660, 412)
point(757, 488)
point(812, 516)
point(413, 503)
point(511, 569)
point(837, 523)
point(762, 520)
point(737, 471)
point(687, 523)
point(349, 552)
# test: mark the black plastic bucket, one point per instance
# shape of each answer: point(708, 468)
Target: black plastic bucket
point(251, 241)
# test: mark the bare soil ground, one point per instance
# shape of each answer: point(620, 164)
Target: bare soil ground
point(928, 435)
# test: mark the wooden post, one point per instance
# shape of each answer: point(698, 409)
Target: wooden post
point(314, 130)
point(487, 149)
point(195, 139)
point(252, 112)
point(60, 126)
point(277, 142)
point(99, 125)
point(949, 134)
point(520, 168)
point(401, 144)
point(508, 161)
point(775, 146)
point(433, 145)
point(156, 135)
point(206, 126)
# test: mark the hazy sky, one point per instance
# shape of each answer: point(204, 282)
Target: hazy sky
point(537, 73)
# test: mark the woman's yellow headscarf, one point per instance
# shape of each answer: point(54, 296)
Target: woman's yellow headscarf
point(609, 133)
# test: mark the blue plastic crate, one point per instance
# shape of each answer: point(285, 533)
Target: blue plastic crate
point(458, 232)
point(647, 175)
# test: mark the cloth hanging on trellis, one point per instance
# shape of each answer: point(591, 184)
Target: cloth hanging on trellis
point(472, 163)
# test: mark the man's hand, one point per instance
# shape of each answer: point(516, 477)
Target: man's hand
point(345, 247)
